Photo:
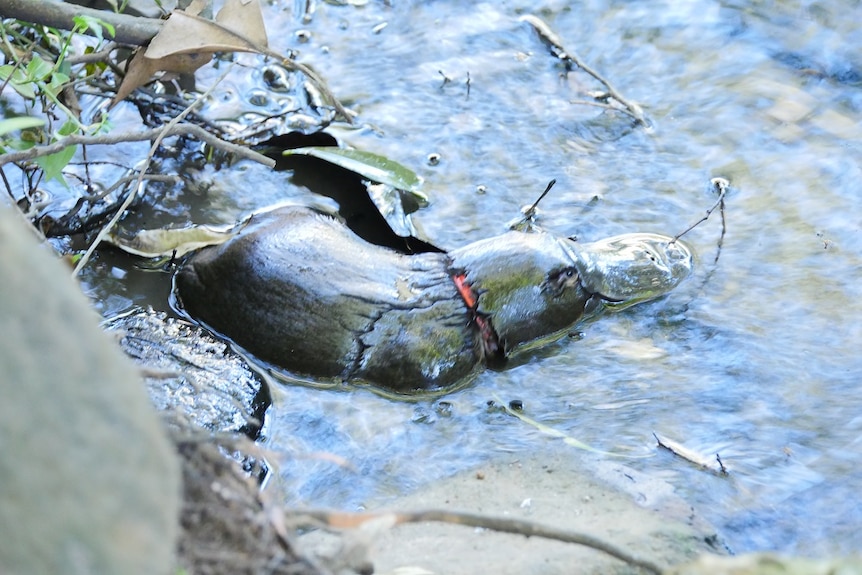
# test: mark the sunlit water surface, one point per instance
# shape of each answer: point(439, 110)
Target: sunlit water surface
point(755, 358)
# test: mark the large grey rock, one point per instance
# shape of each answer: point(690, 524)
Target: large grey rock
point(88, 481)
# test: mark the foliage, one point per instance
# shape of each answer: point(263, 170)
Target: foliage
point(38, 70)
point(19, 123)
point(45, 68)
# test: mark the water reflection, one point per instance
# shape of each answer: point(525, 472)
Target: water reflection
point(755, 358)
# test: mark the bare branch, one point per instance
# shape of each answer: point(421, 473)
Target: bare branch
point(109, 139)
point(549, 37)
point(129, 29)
point(101, 56)
point(139, 31)
point(720, 185)
point(505, 525)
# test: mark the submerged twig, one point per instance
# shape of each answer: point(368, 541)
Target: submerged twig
point(720, 185)
point(551, 39)
point(505, 525)
point(691, 456)
point(571, 441)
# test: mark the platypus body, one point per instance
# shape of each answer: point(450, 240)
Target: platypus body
point(297, 288)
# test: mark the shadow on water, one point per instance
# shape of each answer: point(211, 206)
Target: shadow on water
point(755, 358)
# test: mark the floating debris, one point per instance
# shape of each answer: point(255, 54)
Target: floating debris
point(716, 466)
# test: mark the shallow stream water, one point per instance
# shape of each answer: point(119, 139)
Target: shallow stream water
point(755, 358)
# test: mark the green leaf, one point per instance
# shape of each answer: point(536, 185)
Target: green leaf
point(65, 68)
point(95, 24)
point(68, 128)
point(58, 80)
point(38, 69)
point(18, 80)
point(92, 68)
point(53, 165)
point(368, 165)
point(19, 123)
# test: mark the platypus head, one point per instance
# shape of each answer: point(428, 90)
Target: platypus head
point(631, 268)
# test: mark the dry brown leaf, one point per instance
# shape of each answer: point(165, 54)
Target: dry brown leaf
point(187, 42)
point(183, 33)
point(141, 69)
point(202, 8)
point(244, 17)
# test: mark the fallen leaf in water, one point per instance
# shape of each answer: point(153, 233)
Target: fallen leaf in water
point(368, 165)
point(391, 185)
point(171, 242)
point(390, 204)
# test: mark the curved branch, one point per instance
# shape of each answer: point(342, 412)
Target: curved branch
point(505, 525)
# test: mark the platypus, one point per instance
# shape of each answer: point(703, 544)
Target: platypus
point(297, 288)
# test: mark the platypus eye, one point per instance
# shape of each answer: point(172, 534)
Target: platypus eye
point(560, 280)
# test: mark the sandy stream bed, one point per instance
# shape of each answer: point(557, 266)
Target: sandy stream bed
point(553, 489)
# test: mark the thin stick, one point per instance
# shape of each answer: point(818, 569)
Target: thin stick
point(691, 456)
point(527, 222)
point(720, 185)
point(103, 233)
point(605, 107)
point(551, 38)
point(318, 82)
point(110, 139)
point(531, 211)
point(100, 56)
point(505, 525)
